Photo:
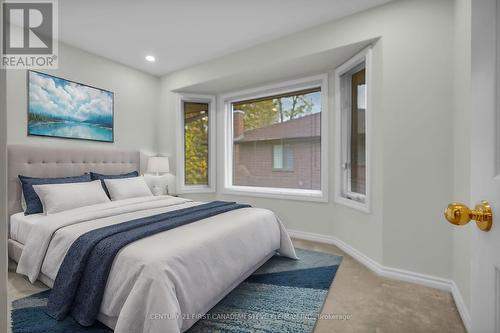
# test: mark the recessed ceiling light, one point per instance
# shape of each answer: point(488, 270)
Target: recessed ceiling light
point(150, 58)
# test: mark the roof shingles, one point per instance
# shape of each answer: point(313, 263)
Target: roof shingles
point(304, 127)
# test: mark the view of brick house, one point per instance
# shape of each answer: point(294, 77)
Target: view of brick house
point(283, 155)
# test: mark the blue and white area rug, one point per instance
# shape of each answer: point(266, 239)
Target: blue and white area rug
point(284, 295)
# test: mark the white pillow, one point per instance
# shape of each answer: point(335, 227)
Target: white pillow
point(23, 202)
point(23, 199)
point(124, 188)
point(60, 197)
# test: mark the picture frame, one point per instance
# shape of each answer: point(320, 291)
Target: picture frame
point(62, 108)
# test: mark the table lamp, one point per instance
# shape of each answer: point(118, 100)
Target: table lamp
point(158, 165)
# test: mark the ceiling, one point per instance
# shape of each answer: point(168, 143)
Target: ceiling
point(182, 33)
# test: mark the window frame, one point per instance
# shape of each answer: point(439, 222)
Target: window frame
point(227, 100)
point(182, 187)
point(342, 142)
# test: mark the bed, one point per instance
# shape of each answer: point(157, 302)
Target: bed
point(161, 283)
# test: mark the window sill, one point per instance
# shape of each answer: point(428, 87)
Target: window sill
point(361, 206)
point(275, 193)
point(195, 189)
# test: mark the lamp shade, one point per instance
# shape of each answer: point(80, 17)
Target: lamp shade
point(158, 164)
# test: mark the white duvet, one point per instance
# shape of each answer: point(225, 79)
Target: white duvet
point(162, 283)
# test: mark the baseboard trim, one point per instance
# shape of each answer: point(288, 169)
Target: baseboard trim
point(462, 309)
point(392, 273)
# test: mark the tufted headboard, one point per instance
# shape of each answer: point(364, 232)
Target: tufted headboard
point(47, 161)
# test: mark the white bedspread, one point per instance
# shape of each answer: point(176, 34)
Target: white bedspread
point(162, 282)
point(20, 225)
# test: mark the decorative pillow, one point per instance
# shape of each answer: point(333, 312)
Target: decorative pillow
point(57, 198)
point(125, 188)
point(101, 177)
point(33, 203)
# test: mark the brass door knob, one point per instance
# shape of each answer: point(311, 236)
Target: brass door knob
point(459, 214)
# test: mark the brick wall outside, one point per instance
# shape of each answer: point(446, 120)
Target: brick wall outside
point(253, 165)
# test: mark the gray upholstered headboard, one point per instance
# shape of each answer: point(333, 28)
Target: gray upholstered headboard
point(47, 161)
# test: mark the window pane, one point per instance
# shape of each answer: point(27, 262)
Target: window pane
point(278, 157)
point(358, 133)
point(196, 143)
point(277, 141)
point(288, 157)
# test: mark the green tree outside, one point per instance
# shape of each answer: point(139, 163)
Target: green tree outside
point(258, 114)
point(196, 143)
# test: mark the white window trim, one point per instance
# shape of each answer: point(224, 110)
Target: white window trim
point(269, 90)
point(363, 56)
point(181, 185)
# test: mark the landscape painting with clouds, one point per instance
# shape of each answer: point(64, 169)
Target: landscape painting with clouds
point(62, 108)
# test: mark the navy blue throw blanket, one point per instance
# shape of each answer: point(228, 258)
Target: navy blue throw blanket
point(82, 277)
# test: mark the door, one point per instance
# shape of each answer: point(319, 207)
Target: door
point(485, 166)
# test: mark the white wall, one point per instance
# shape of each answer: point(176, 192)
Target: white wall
point(413, 134)
point(136, 98)
point(3, 202)
point(3, 198)
point(417, 144)
point(461, 138)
